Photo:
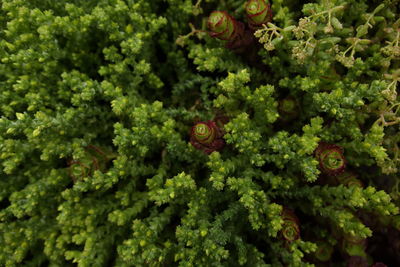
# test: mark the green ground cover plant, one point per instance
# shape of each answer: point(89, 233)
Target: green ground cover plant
point(199, 133)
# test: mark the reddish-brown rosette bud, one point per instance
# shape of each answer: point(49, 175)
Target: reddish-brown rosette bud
point(93, 159)
point(223, 26)
point(204, 133)
point(396, 222)
point(357, 261)
point(348, 178)
point(77, 169)
point(258, 12)
point(331, 159)
point(207, 136)
point(354, 245)
point(355, 240)
point(288, 108)
point(324, 251)
point(290, 228)
point(221, 120)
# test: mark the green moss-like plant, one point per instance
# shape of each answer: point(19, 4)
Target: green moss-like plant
point(134, 133)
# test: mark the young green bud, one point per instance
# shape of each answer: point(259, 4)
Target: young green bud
point(324, 251)
point(331, 159)
point(336, 23)
point(258, 12)
point(288, 108)
point(348, 178)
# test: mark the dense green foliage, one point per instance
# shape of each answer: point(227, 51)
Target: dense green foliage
point(97, 99)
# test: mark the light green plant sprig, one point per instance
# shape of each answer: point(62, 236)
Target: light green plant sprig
point(296, 151)
point(373, 145)
point(305, 31)
point(258, 205)
point(254, 200)
point(341, 201)
point(282, 13)
point(308, 28)
point(392, 49)
point(91, 73)
point(150, 124)
point(20, 236)
point(263, 102)
point(142, 247)
point(182, 39)
point(174, 189)
point(214, 58)
point(130, 208)
point(37, 192)
point(313, 33)
point(103, 179)
point(56, 106)
point(221, 168)
point(370, 20)
point(390, 93)
point(347, 223)
point(234, 81)
point(221, 232)
point(233, 91)
point(201, 236)
point(246, 141)
point(79, 219)
point(50, 133)
point(344, 101)
point(357, 44)
point(295, 253)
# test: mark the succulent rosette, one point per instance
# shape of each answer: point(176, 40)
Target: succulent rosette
point(348, 178)
point(355, 240)
point(396, 222)
point(223, 26)
point(288, 108)
point(258, 13)
point(357, 261)
point(331, 159)
point(207, 136)
point(290, 228)
point(220, 120)
point(80, 168)
point(354, 246)
point(93, 159)
point(324, 251)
